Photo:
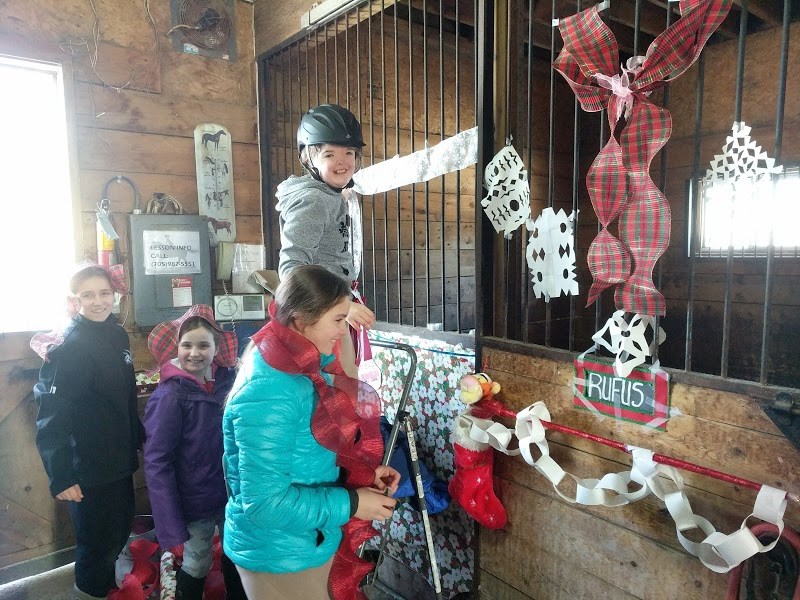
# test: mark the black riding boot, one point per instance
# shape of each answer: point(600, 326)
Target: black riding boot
point(233, 583)
point(188, 587)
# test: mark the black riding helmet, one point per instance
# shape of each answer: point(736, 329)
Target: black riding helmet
point(328, 124)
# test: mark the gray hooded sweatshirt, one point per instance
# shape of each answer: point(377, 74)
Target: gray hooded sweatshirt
point(315, 227)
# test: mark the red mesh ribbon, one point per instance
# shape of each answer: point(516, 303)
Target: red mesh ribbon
point(345, 422)
point(618, 181)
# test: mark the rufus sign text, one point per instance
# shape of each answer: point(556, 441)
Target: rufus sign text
point(642, 397)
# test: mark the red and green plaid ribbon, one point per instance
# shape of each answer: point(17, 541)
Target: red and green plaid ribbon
point(618, 181)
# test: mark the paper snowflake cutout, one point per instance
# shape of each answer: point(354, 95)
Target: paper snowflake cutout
point(628, 341)
point(508, 203)
point(551, 255)
point(741, 158)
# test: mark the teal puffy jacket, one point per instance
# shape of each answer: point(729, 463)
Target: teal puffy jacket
point(285, 509)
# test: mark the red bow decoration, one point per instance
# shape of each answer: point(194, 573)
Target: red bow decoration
point(618, 181)
point(341, 424)
point(142, 580)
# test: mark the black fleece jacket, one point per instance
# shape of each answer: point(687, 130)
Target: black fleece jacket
point(88, 428)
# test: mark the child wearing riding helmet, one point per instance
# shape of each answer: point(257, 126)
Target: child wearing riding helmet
point(314, 222)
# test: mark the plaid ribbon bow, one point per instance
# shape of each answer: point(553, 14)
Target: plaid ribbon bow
point(618, 181)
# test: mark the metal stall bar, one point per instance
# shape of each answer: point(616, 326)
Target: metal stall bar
point(336, 58)
point(286, 126)
point(426, 185)
point(502, 252)
point(726, 315)
point(265, 127)
point(369, 95)
point(526, 283)
point(441, 137)
point(457, 97)
point(598, 304)
point(385, 157)
point(316, 65)
point(397, 151)
point(694, 196)
point(347, 59)
point(662, 185)
point(576, 123)
point(779, 115)
point(413, 187)
point(288, 116)
point(551, 154)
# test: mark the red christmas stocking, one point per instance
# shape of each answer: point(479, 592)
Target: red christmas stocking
point(472, 484)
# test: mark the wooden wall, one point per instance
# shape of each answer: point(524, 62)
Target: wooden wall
point(276, 20)
point(554, 550)
point(144, 131)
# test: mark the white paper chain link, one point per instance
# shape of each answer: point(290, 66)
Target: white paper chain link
point(719, 552)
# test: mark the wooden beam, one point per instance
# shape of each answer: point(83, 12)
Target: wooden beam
point(766, 10)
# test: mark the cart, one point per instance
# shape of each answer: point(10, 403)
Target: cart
point(402, 419)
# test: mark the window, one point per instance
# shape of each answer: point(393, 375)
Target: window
point(38, 239)
point(743, 215)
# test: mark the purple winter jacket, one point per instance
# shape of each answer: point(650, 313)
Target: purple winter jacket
point(183, 451)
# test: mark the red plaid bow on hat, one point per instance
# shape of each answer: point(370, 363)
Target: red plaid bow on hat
point(618, 181)
point(163, 340)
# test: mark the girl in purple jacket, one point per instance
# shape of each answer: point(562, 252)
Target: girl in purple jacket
point(183, 451)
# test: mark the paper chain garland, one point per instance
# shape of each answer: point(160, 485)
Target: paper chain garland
point(718, 552)
point(618, 181)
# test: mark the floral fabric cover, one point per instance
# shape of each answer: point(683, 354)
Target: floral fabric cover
point(433, 404)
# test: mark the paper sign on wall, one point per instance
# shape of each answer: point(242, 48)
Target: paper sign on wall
point(641, 397)
point(182, 291)
point(174, 252)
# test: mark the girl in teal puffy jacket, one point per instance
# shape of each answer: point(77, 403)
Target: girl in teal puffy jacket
point(287, 505)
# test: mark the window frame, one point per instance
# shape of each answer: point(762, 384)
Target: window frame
point(16, 48)
point(695, 223)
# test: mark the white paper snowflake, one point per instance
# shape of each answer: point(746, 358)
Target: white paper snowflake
point(508, 202)
point(741, 158)
point(550, 254)
point(631, 342)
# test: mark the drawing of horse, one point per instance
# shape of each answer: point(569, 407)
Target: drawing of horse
point(213, 138)
point(219, 224)
point(213, 164)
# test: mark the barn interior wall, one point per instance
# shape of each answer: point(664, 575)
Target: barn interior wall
point(145, 131)
point(557, 550)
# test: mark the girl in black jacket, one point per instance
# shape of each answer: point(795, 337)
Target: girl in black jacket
point(88, 428)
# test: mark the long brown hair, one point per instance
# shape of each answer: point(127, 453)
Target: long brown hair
point(308, 293)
